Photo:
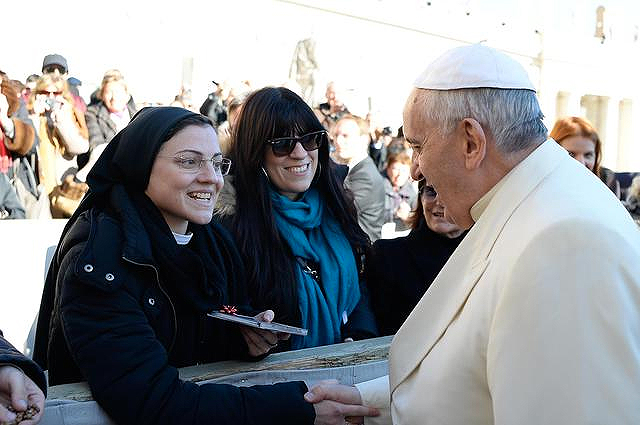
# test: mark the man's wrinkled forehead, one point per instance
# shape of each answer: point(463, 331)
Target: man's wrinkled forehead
point(413, 114)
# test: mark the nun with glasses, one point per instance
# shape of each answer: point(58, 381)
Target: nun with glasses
point(138, 268)
point(294, 224)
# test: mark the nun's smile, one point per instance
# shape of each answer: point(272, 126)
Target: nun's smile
point(184, 183)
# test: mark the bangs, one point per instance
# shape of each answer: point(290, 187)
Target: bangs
point(291, 118)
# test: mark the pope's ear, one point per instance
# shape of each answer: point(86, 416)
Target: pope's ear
point(475, 143)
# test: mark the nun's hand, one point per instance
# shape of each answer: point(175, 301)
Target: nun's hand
point(261, 341)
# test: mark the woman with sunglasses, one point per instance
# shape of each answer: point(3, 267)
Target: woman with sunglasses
point(295, 226)
point(61, 129)
point(136, 272)
point(400, 270)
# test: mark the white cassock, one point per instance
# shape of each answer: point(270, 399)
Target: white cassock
point(535, 318)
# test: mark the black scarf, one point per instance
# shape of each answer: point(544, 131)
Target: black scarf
point(196, 273)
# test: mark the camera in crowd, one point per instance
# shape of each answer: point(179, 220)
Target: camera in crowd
point(51, 104)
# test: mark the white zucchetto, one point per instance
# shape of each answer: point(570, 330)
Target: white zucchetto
point(474, 66)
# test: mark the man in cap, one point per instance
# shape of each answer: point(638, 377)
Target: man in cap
point(535, 318)
point(55, 63)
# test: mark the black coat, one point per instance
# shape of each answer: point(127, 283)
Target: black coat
point(400, 270)
point(107, 319)
point(10, 356)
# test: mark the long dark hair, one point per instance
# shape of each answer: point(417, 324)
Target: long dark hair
point(268, 113)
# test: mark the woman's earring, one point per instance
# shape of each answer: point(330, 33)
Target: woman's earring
point(265, 174)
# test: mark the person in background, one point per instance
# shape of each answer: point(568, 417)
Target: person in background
point(632, 203)
point(105, 118)
point(29, 86)
point(351, 140)
point(58, 128)
point(581, 140)
point(22, 385)
point(333, 109)
point(380, 139)
point(226, 129)
point(18, 143)
point(399, 189)
point(183, 99)
point(17, 135)
point(73, 83)
point(215, 106)
point(56, 64)
point(400, 270)
point(10, 205)
point(293, 222)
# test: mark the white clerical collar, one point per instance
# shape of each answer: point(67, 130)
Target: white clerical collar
point(481, 205)
point(478, 208)
point(182, 239)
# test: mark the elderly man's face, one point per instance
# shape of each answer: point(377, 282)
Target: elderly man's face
point(436, 159)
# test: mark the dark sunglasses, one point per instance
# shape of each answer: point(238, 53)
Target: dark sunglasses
point(50, 69)
point(48, 93)
point(283, 146)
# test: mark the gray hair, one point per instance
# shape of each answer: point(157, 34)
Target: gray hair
point(511, 116)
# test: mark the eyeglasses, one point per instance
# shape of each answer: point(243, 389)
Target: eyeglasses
point(429, 192)
point(49, 93)
point(195, 163)
point(283, 146)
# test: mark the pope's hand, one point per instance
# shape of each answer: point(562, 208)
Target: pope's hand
point(334, 404)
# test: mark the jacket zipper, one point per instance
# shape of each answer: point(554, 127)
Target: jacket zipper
point(175, 317)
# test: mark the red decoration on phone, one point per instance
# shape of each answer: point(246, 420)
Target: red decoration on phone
point(229, 309)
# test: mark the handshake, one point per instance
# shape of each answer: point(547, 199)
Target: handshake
point(337, 404)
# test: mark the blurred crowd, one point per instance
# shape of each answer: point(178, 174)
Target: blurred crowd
point(51, 137)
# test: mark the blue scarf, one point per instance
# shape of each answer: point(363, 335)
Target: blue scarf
point(313, 234)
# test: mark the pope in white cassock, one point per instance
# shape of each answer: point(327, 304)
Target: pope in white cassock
point(535, 318)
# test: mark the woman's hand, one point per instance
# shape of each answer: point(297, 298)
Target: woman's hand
point(62, 110)
point(20, 393)
point(40, 104)
point(261, 341)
